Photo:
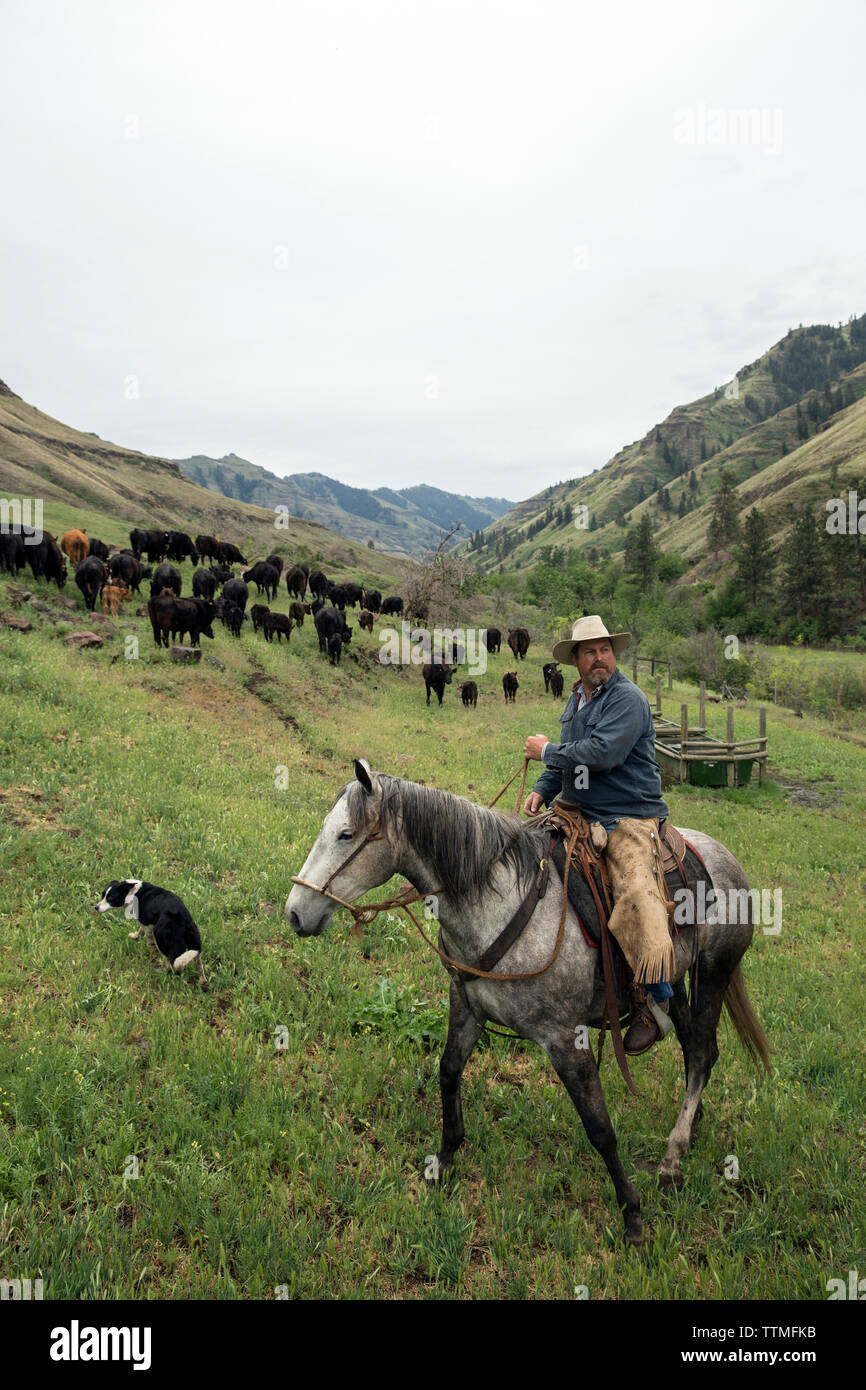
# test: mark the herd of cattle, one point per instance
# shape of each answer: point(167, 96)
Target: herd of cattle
point(116, 577)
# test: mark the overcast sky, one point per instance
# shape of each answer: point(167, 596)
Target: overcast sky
point(478, 245)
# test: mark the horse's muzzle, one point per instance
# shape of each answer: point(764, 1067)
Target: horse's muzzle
point(307, 923)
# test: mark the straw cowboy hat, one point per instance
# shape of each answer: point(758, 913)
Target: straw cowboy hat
point(589, 629)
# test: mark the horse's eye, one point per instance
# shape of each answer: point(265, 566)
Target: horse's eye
point(345, 835)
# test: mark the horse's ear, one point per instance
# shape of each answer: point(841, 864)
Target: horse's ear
point(364, 774)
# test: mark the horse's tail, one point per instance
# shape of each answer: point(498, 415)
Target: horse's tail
point(746, 1021)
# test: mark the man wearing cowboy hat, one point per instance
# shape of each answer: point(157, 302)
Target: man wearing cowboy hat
point(605, 764)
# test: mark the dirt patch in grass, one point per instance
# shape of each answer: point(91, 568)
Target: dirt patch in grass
point(30, 809)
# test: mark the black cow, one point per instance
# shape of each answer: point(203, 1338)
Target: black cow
point(335, 648)
point(165, 577)
point(372, 600)
point(207, 547)
point(230, 555)
point(436, 677)
point(392, 605)
point(265, 577)
point(179, 547)
point(511, 685)
point(258, 613)
point(90, 576)
point(353, 594)
point(493, 639)
point(236, 591)
point(275, 561)
point(547, 671)
point(316, 606)
point(276, 623)
point(420, 613)
point(469, 693)
point(556, 685)
point(13, 552)
point(296, 582)
point(222, 573)
point(138, 541)
point(318, 583)
point(204, 584)
point(176, 616)
point(518, 641)
point(192, 615)
point(328, 621)
point(160, 610)
point(45, 558)
point(99, 549)
point(155, 546)
point(127, 569)
point(230, 615)
point(337, 595)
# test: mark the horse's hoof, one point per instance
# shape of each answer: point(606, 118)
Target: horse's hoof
point(670, 1179)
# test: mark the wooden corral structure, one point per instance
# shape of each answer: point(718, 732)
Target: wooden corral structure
point(692, 755)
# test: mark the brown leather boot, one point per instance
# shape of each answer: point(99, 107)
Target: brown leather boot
point(644, 1029)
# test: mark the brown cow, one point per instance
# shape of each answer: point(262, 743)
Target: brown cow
point(297, 611)
point(366, 620)
point(518, 641)
point(112, 595)
point(76, 545)
point(510, 685)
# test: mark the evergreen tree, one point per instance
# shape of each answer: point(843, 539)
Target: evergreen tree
point(724, 527)
point(754, 557)
point(641, 553)
point(807, 577)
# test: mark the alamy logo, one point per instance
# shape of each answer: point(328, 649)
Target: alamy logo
point(77, 1343)
point(16, 513)
point(418, 646)
point(20, 1290)
point(728, 907)
point(855, 1287)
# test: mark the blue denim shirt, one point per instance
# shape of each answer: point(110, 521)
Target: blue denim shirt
point(613, 737)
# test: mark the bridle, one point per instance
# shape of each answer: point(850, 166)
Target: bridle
point(364, 915)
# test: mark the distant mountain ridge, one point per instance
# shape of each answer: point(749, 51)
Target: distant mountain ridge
point(406, 521)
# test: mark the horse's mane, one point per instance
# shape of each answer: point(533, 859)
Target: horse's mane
point(462, 843)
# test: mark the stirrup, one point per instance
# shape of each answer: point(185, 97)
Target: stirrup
point(664, 1021)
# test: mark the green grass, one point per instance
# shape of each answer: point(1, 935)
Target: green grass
point(281, 1121)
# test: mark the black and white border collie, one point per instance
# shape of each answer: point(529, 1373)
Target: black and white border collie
point(163, 918)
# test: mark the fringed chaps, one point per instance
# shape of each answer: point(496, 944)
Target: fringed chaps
point(639, 920)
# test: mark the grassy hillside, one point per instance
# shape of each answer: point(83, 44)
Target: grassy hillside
point(105, 489)
point(752, 429)
point(301, 1166)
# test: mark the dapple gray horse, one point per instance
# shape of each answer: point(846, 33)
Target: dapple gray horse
point(480, 864)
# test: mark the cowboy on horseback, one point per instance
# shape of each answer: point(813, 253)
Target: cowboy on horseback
point(605, 765)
